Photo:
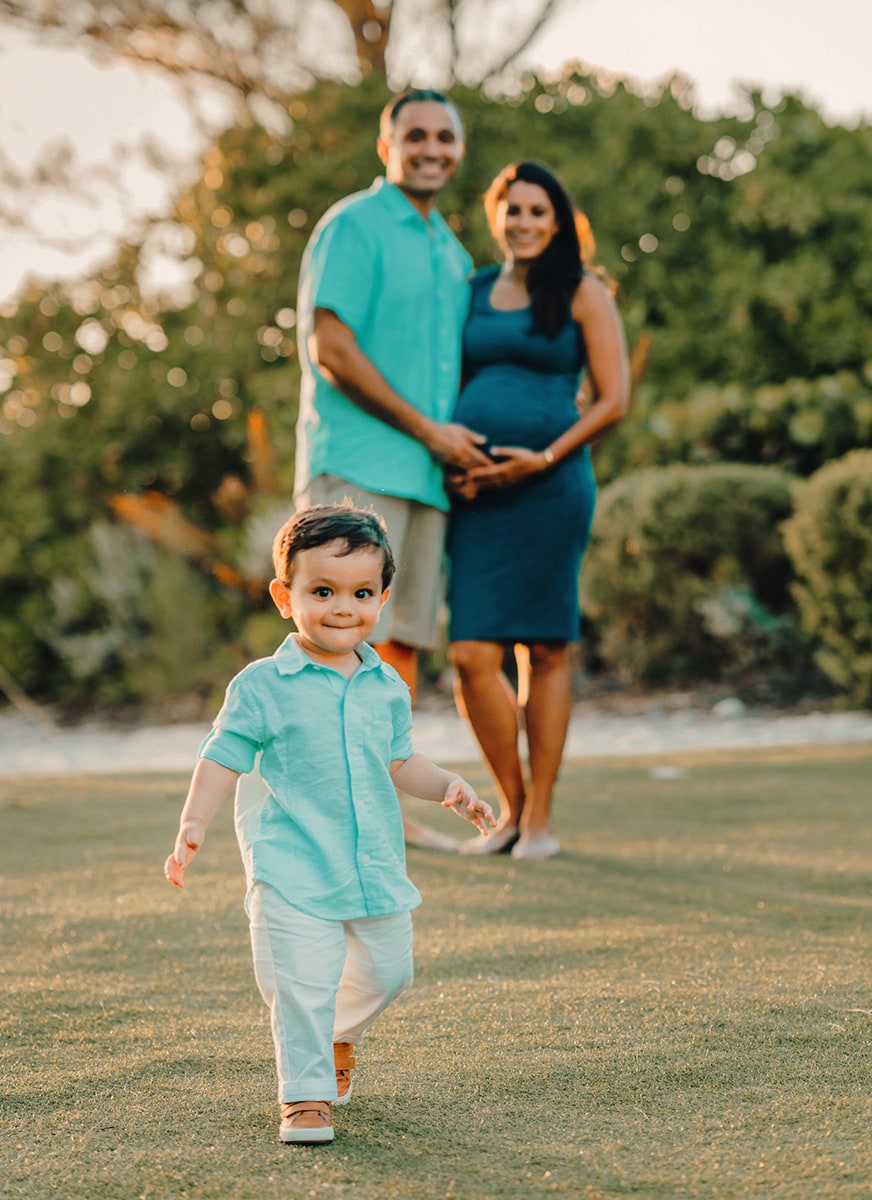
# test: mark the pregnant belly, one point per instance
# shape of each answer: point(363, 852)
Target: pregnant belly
point(512, 407)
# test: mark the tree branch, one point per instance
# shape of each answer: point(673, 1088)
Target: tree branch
point(547, 10)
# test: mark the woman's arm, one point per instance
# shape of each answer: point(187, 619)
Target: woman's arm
point(595, 313)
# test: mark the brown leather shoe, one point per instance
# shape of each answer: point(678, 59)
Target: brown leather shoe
point(345, 1062)
point(305, 1122)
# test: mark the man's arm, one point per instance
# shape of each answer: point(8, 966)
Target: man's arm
point(334, 348)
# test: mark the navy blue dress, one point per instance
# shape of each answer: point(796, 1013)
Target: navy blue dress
point(515, 553)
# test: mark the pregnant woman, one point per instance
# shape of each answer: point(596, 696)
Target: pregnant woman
point(519, 526)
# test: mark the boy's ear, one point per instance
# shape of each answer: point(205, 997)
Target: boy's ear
point(384, 597)
point(281, 597)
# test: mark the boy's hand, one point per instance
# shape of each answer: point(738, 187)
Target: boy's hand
point(462, 798)
point(188, 842)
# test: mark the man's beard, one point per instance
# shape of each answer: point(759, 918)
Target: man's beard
point(420, 193)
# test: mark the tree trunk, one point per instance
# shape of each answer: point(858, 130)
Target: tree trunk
point(371, 28)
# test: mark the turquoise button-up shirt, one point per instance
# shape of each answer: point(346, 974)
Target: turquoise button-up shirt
point(320, 820)
point(400, 283)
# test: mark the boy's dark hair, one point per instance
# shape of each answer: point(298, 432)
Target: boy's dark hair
point(412, 95)
point(359, 528)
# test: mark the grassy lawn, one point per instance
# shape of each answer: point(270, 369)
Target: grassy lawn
point(677, 1006)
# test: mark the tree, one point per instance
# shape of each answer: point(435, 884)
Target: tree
point(276, 51)
point(257, 57)
point(110, 392)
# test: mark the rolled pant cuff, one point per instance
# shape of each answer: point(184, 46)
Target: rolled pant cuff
point(309, 1091)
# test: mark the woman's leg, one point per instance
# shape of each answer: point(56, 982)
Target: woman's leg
point(547, 721)
point(488, 702)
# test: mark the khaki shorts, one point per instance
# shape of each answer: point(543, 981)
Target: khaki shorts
point(416, 533)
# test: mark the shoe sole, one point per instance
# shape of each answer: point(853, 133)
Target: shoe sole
point(306, 1137)
point(340, 1100)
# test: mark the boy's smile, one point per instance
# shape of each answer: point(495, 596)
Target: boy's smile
point(334, 599)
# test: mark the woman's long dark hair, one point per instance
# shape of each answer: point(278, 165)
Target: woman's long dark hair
point(554, 276)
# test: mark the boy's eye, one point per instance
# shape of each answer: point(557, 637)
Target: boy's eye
point(363, 593)
point(322, 592)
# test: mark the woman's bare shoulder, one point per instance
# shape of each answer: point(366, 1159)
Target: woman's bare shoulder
point(593, 296)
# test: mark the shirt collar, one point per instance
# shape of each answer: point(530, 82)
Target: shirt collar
point(400, 205)
point(290, 659)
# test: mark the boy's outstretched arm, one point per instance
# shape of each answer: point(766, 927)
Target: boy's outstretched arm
point(210, 785)
point(420, 777)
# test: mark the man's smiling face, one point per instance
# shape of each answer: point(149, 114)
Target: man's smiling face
point(423, 150)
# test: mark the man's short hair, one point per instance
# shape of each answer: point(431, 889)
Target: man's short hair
point(358, 528)
point(412, 96)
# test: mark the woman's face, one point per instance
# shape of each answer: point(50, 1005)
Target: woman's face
point(525, 221)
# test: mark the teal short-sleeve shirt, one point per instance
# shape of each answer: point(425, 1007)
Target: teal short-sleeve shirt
point(400, 283)
point(319, 819)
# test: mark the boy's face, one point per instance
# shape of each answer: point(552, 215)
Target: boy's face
point(334, 598)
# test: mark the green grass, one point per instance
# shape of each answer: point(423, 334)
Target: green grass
point(677, 1006)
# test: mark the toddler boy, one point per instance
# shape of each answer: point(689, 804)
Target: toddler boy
point(322, 732)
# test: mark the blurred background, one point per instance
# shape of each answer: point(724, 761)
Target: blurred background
point(163, 163)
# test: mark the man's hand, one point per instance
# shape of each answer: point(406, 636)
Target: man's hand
point(456, 446)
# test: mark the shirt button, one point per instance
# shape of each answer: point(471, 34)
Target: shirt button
point(364, 858)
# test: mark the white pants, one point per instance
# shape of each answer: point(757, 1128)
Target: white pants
point(323, 982)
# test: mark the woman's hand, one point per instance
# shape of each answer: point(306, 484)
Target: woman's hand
point(459, 485)
point(512, 465)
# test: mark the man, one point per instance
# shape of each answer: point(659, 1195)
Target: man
point(382, 301)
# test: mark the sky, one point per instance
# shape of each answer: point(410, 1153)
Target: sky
point(807, 47)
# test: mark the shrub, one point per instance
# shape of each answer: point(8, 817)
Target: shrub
point(798, 425)
point(829, 538)
point(687, 576)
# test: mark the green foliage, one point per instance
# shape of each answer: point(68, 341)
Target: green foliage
point(687, 577)
point(829, 538)
point(799, 425)
point(745, 277)
point(132, 622)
